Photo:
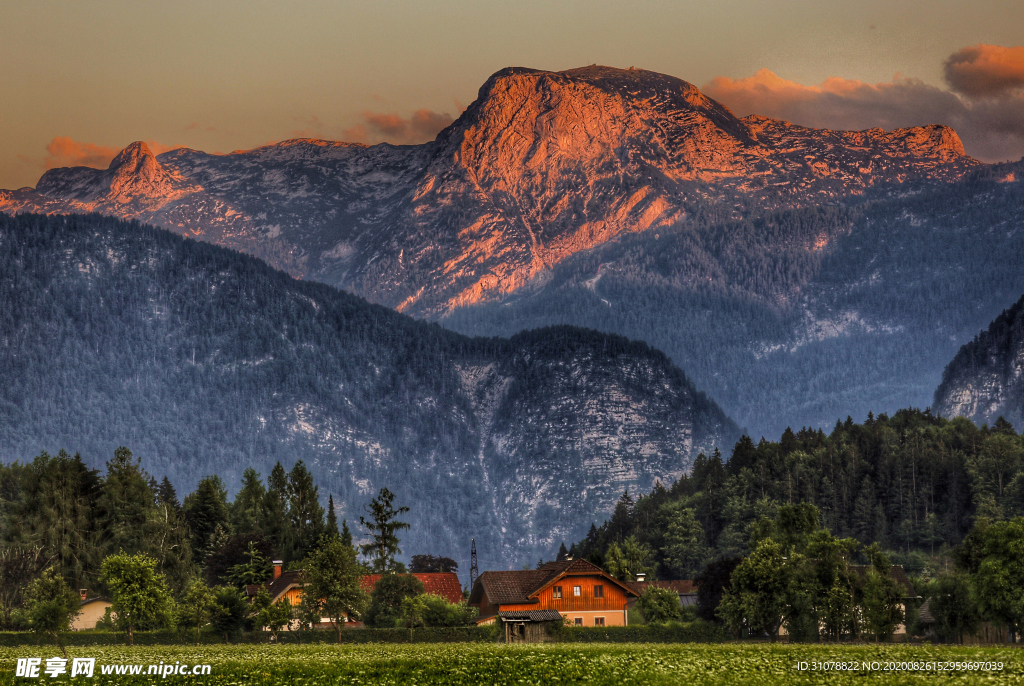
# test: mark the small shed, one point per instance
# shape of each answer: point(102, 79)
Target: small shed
point(528, 626)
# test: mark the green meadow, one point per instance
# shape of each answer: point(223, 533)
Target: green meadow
point(465, 663)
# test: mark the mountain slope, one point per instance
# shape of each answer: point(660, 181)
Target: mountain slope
point(203, 360)
point(760, 255)
point(985, 380)
point(542, 165)
point(801, 316)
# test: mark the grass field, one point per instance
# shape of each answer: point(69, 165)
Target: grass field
point(690, 664)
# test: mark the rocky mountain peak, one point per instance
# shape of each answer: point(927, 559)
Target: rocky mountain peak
point(136, 154)
point(541, 166)
point(135, 173)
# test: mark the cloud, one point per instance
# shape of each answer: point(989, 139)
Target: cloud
point(421, 126)
point(981, 71)
point(66, 152)
point(63, 151)
point(992, 129)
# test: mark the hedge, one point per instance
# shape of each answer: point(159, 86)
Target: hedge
point(675, 632)
point(458, 634)
point(672, 632)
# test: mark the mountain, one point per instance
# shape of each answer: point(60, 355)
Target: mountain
point(761, 256)
point(985, 380)
point(203, 361)
point(801, 316)
point(542, 165)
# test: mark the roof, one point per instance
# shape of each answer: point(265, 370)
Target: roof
point(444, 584)
point(277, 587)
point(520, 587)
point(924, 613)
point(896, 573)
point(95, 599)
point(678, 585)
point(531, 616)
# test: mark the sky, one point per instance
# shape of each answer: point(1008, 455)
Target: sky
point(80, 80)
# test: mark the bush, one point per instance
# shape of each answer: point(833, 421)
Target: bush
point(386, 599)
point(434, 611)
point(659, 605)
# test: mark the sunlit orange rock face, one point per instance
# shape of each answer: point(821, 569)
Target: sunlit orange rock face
point(541, 166)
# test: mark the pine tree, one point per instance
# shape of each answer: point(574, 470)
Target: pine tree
point(127, 505)
point(206, 510)
point(166, 495)
point(56, 514)
point(332, 517)
point(346, 533)
point(274, 520)
point(248, 503)
point(383, 526)
point(304, 510)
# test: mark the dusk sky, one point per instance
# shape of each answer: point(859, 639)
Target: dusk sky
point(80, 80)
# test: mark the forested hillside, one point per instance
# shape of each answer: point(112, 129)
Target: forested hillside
point(800, 316)
point(207, 361)
point(914, 483)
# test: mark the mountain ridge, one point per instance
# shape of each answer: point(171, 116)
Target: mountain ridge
point(541, 166)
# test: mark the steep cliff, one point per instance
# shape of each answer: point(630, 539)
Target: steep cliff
point(985, 380)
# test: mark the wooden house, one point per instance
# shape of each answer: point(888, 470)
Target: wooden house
point(289, 585)
point(580, 593)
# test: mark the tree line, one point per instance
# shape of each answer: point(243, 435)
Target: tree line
point(800, 533)
point(187, 564)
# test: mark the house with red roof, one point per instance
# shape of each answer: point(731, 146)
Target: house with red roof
point(289, 585)
point(575, 591)
point(444, 584)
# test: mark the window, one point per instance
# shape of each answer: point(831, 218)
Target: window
point(598, 621)
point(599, 591)
point(577, 590)
point(578, 621)
point(556, 592)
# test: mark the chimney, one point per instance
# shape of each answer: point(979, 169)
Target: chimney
point(277, 568)
point(641, 577)
point(84, 592)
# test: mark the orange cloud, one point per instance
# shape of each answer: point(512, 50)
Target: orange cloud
point(421, 126)
point(67, 152)
point(991, 129)
point(983, 70)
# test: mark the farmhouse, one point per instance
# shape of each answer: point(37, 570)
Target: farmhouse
point(289, 585)
point(574, 591)
point(899, 576)
point(90, 611)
